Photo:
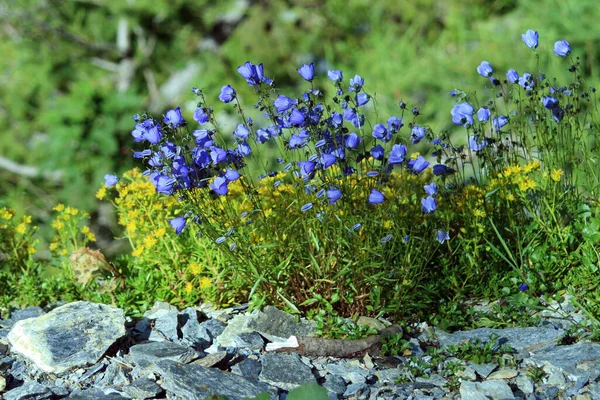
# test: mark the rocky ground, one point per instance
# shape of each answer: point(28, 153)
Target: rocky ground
point(92, 351)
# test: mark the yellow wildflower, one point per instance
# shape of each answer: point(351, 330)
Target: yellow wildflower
point(160, 232)
point(414, 155)
point(195, 268)
point(149, 242)
point(85, 229)
point(53, 246)
point(556, 175)
point(91, 237)
point(26, 219)
point(64, 252)
point(479, 213)
point(5, 214)
point(526, 184)
point(535, 164)
point(189, 287)
point(268, 212)
point(138, 252)
point(59, 207)
point(205, 282)
point(388, 224)
point(21, 228)
point(510, 197)
point(31, 249)
point(58, 225)
point(101, 193)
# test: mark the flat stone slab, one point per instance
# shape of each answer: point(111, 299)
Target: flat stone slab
point(70, 336)
point(145, 354)
point(520, 339)
point(194, 382)
point(286, 371)
point(494, 389)
point(581, 360)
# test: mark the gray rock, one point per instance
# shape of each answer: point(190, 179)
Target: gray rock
point(520, 339)
point(166, 327)
point(286, 371)
point(214, 327)
point(143, 388)
point(524, 383)
point(147, 353)
point(210, 360)
point(276, 325)
point(494, 389)
point(142, 330)
point(248, 368)
point(114, 375)
point(335, 385)
point(548, 392)
point(193, 334)
point(358, 389)
point(581, 360)
point(389, 375)
point(483, 370)
point(159, 309)
point(29, 391)
point(94, 394)
point(193, 382)
point(505, 373)
point(434, 379)
point(576, 387)
point(69, 336)
point(4, 335)
point(350, 373)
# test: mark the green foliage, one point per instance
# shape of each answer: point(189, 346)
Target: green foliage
point(475, 351)
point(337, 327)
point(394, 345)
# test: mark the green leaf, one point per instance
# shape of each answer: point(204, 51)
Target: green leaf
point(309, 391)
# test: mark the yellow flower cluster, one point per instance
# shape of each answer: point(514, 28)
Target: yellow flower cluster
point(16, 239)
point(70, 235)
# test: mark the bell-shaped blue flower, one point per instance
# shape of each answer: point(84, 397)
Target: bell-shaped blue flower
point(244, 149)
point(333, 195)
point(335, 75)
point(352, 140)
point(231, 175)
point(356, 83)
point(219, 186)
point(217, 154)
point(249, 72)
point(531, 38)
point(512, 76)
point(376, 197)
point(380, 132)
point(327, 160)
point(562, 48)
point(397, 154)
point(549, 102)
point(526, 81)
point(283, 103)
point(306, 167)
point(174, 118)
point(475, 144)
point(442, 169)
point(241, 131)
point(462, 114)
point(442, 236)
point(296, 117)
point(485, 69)
point(499, 122)
point(428, 204)
point(377, 152)
point(483, 114)
point(203, 138)
point(110, 180)
point(417, 133)
point(362, 99)
point(419, 164)
point(227, 94)
point(201, 115)
point(153, 134)
point(307, 71)
point(431, 189)
point(394, 124)
point(178, 224)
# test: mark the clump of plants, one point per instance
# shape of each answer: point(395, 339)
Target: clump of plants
point(320, 204)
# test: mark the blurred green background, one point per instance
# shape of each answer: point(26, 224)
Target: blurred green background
point(73, 72)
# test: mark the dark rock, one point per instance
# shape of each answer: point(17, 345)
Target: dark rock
point(94, 394)
point(29, 391)
point(19, 370)
point(193, 334)
point(210, 360)
point(286, 371)
point(248, 368)
point(18, 315)
point(250, 341)
point(214, 327)
point(70, 336)
point(193, 382)
point(277, 325)
point(93, 371)
point(335, 385)
point(576, 387)
point(166, 327)
point(6, 363)
point(142, 330)
point(147, 353)
point(358, 389)
point(114, 375)
point(520, 339)
point(143, 388)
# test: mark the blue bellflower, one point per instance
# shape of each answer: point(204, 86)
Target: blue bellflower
point(485, 69)
point(377, 152)
point(227, 94)
point(376, 197)
point(174, 118)
point(380, 132)
point(499, 122)
point(335, 75)
point(201, 115)
point(307, 71)
point(562, 48)
point(241, 131)
point(431, 189)
point(178, 224)
point(362, 99)
point(417, 133)
point(442, 236)
point(110, 180)
point(512, 76)
point(397, 154)
point(219, 185)
point(530, 38)
point(483, 114)
point(549, 102)
point(352, 140)
point(356, 83)
point(394, 124)
point(462, 114)
point(428, 205)
point(419, 164)
point(283, 103)
point(333, 195)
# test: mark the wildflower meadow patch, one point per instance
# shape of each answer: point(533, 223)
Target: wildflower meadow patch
point(316, 202)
